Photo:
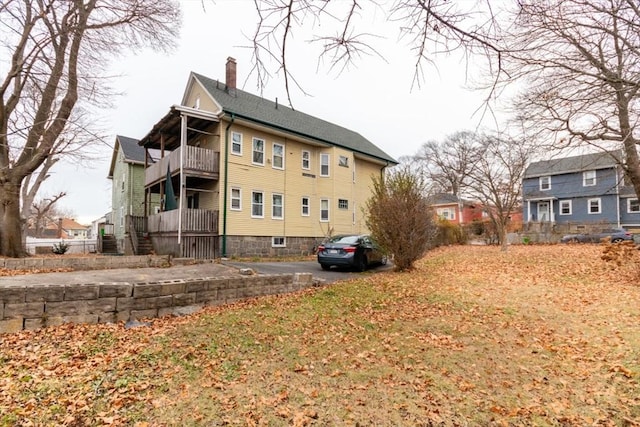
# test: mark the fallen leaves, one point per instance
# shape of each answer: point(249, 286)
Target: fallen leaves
point(541, 334)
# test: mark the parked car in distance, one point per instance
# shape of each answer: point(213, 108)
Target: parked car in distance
point(616, 235)
point(355, 251)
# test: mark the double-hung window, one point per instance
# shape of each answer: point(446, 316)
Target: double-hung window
point(594, 206)
point(236, 199)
point(257, 204)
point(324, 164)
point(545, 183)
point(236, 143)
point(324, 210)
point(565, 207)
point(277, 206)
point(305, 206)
point(258, 152)
point(277, 160)
point(306, 160)
point(588, 178)
point(633, 206)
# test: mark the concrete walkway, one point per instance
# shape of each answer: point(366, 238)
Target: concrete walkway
point(121, 275)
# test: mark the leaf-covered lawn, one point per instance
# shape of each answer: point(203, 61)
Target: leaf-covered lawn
point(540, 335)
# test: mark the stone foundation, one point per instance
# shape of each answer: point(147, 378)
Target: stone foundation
point(252, 246)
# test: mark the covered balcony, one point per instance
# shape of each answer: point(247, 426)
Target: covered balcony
point(197, 162)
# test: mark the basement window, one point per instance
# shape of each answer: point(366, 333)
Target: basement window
point(278, 242)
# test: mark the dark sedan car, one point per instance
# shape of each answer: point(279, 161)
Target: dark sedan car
point(615, 235)
point(355, 251)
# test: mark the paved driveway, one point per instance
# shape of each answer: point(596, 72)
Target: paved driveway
point(305, 267)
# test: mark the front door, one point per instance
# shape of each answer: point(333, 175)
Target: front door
point(543, 212)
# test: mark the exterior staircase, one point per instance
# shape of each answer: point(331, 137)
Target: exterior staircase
point(109, 244)
point(144, 247)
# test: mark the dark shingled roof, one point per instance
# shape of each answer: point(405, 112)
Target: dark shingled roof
point(254, 108)
point(132, 152)
point(593, 161)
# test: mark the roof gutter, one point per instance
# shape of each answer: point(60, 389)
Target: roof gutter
point(226, 184)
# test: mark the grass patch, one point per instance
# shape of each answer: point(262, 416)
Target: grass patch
point(540, 335)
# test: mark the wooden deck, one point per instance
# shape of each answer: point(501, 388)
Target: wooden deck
point(197, 162)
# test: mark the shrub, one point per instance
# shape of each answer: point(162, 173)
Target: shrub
point(399, 216)
point(450, 234)
point(60, 248)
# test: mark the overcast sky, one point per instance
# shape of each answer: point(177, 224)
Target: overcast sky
point(375, 98)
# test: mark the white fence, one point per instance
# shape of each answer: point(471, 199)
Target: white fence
point(76, 246)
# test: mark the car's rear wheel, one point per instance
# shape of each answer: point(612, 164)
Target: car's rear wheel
point(617, 240)
point(362, 263)
point(325, 267)
point(574, 240)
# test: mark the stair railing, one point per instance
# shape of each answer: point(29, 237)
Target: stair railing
point(133, 235)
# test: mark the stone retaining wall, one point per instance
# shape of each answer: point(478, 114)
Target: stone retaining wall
point(37, 306)
point(85, 263)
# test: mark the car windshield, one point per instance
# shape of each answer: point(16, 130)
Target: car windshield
point(349, 240)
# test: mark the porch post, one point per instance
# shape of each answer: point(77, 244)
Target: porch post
point(183, 141)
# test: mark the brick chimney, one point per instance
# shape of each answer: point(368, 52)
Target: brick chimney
point(231, 75)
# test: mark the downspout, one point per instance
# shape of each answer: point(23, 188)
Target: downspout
point(226, 184)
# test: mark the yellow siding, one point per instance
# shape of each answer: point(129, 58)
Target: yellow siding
point(350, 182)
point(294, 183)
point(197, 95)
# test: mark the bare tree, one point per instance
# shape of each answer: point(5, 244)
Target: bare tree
point(55, 50)
point(428, 27)
point(448, 163)
point(580, 60)
point(399, 217)
point(44, 211)
point(496, 179)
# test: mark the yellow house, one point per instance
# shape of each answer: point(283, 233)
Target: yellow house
point(241, 175)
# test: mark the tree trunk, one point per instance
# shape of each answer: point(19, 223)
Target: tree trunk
point(11, 223)
point(502, 233)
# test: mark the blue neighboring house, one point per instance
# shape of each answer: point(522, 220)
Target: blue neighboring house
point(580, 190)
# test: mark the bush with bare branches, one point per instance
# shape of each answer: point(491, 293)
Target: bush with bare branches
point(399, 216)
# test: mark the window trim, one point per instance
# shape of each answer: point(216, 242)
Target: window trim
point(629, 200)
point(308, 206)
point(239, 198)
point(273, 155)
point(328, 218)
point(449, 210)
point(254, 192)
point(569, 202)
point(278, 245)
point(307, 160)
point(585, 178)
point(599, 200)
point(236, 153)
point(328, 164)
point(273, 206)
point(253, 151)
point(542, 179)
